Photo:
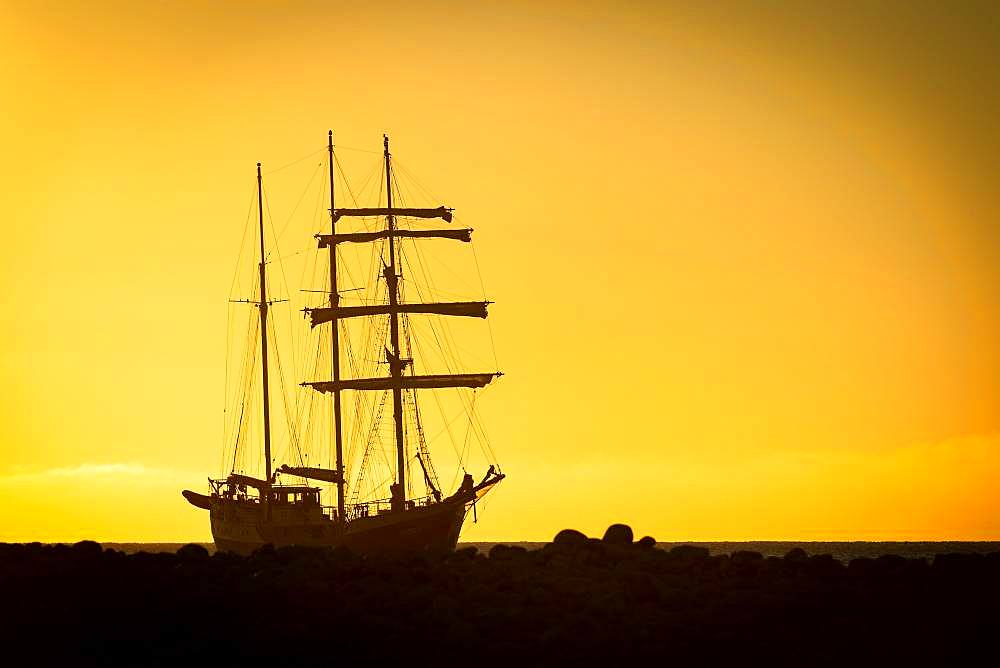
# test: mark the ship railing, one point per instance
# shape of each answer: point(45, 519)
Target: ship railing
point(378, 506)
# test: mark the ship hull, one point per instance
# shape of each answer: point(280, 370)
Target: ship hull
point(242, 528)
point(245, 526)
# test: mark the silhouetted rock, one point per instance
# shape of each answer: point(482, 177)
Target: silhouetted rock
point(957, 562)
point(577, 601)
point(890, 562)
point(820, 565)
point(796, 555)
point(469, 552)
point(192, 552)
point(689, 552)
point(569, 538)
point(861, 566)
point(646, 542)
point(499, 551)
point(618, 534)
point(87, 549)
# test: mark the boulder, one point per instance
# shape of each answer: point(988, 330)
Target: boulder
point(618, 534)
point(797, 555)
point(689, 552)
point(569, 538)
point(499, 551)
point(646, 543)
point(87, 549)
point(192, 552)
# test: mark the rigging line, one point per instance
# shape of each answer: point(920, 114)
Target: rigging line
point(243, 241)
point(239, 390)
point(481, 435)
point(459, 361)
point(248, 386)
point(305, 415)
point(284, 276)
point(312, 264)
point(292, 436)
point(369, 443)
point(355, 201)
point(281, 265)
point(417, 182)
point(299, 202)
point(229, 325)
point(449, 348)
point(226, 429)
point(233, 427)
point(472, 411)
point(441, 411)
point(247, 362)
point(489, 325)
point(425, 456)
point(360, 150)
point(374, 178)
point(343, 177)
point(421, 264)
point(295, 162)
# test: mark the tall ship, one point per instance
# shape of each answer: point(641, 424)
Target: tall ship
point(292, 500)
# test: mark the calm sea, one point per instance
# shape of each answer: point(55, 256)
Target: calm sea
point(842, 550)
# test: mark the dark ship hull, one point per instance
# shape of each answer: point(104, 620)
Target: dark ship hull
point(242, 526)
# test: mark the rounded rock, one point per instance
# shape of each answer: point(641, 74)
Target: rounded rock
point(797, 555)
point(569, 538)
point(193, 552)
point(618, 534)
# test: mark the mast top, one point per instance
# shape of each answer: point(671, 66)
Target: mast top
point(385, 143)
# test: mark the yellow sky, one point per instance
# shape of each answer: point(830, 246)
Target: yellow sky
point(745, 260)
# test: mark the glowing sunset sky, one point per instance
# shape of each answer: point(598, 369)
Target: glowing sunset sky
point(746, 259)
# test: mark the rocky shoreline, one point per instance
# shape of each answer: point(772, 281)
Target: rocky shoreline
point(575, 600)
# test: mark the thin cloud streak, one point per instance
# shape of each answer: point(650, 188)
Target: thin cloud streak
point(106, 472)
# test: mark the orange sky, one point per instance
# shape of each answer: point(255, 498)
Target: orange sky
point(745, 260)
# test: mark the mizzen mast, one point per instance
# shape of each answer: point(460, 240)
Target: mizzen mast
point(262, 305)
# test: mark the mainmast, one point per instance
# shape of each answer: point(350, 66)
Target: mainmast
point(396, 381)
point(262, 305)
point(335, 343)
point(395, 363)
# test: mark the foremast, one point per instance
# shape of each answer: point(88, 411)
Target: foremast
point(396, 381)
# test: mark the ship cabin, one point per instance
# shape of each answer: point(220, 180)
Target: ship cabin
point(294, 495)
point(239, 488)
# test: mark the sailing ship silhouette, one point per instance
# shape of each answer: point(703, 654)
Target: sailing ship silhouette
point(247, 512)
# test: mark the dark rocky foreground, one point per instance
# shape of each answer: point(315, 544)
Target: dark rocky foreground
point(575, 601)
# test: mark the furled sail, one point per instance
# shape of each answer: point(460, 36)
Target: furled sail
point(471, 380)
point(440, 212)
point(326, 475)
point(464, 234)
point(466, 309)
point(241, 479)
